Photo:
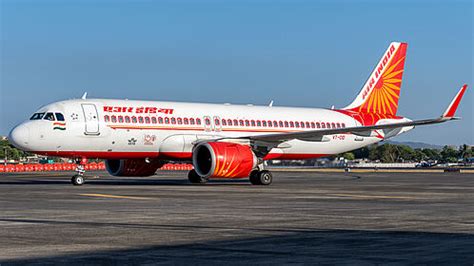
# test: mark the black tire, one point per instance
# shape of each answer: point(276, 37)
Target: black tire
point(77, 180)
point(194, 178)
point(254, 177)
point(265, 177)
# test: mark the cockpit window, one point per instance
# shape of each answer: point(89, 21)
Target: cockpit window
point(37, 116)
point(49, 116)
point(59, 117)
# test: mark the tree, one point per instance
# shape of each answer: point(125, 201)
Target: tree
point(465, 152)
point(362, 153)
point(406, 153)
point(449, 154)
point(349, 156)
point(419, 155)
point(432, 154)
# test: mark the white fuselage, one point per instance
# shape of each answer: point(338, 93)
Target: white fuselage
point(102, 128)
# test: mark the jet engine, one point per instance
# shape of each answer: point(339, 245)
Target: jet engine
point(223, 159)
point(132, 167)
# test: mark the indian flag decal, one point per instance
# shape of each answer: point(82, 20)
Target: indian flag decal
point(59, 126)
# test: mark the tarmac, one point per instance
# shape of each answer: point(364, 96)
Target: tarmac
point(302, 218)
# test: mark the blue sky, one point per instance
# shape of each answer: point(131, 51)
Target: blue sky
point(298, 53)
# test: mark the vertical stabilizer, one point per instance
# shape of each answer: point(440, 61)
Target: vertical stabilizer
point(380, 93)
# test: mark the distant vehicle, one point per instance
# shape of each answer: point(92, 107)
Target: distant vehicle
point(423, 164)
point(222, 141)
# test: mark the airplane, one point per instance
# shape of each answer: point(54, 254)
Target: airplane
point(135, 138)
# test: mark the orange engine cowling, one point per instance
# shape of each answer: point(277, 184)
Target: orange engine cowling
point(132, 167)
point(223, 159)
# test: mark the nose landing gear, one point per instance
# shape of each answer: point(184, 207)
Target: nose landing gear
point(79, 179)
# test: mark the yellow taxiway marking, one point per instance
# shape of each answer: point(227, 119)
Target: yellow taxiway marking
point(113, 196)
point(371, 197)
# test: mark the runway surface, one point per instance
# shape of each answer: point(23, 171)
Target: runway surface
point(330, 218)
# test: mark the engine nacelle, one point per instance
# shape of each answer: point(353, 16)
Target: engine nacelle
point(132, 167)
point(223, 159)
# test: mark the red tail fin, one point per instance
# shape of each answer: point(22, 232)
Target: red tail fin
point(381, 91)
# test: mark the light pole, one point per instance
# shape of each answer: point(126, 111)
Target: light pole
point(5, 157)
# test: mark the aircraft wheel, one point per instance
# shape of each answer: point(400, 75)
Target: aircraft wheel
point(253, 177)
point(265, 177)
point(77, 180)
point(194, 178)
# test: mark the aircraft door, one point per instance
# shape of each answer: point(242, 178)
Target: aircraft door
point(91, 119)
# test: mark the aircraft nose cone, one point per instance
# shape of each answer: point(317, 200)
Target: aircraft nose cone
point(19, 136)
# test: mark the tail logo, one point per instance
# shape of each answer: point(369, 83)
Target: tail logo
point(381, 91)
point(386, 58)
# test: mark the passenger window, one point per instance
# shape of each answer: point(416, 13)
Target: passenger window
point(216, 122)
point(59, 117)
point(317, 125)
point(153, 120)
point(120, 119)
point(160, 120)
point(264, 123)
point(198, 121)
point(37, 116)
point(186, 121)
point(207, 121)
point(224, 122)
point(343, 125)
point(252, 122)
point(286, 124)
point(49, 116)
point(292, 124)
point(338, 125)
point(323, 125)
point(247, 123)
point(134, 119)
point(333, 125)
point(180, 121)
point(147, 120)
point(241, 122)
point(114, 119)
point(259, 124)
point(191, 121)
point(173, 120)
point(127, 119)
point(106, 118)
point(167, 120)
point(140, 119)
point(229, 122)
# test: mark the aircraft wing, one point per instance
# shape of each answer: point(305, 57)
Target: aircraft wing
point(270, 140)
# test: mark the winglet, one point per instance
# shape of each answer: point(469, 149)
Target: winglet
point(453, 106)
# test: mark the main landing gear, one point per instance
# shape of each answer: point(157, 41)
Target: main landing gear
point(78, 179)
point(263, 177)
point(194, 178)
point(257, 177)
